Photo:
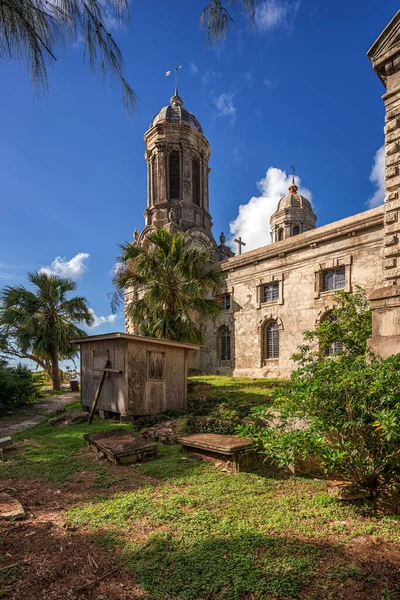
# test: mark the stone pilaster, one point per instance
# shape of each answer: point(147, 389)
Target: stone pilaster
point(385, 301)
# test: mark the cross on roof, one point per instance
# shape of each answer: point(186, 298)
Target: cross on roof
point(240, 244)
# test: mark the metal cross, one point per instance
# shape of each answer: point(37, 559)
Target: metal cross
point(176, 77)
point(240, 244)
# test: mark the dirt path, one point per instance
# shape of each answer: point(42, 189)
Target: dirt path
point(34, 414)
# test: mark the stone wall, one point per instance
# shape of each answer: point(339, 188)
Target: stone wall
point(296, 265)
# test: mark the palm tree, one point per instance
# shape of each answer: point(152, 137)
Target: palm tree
point(171, 280)
point(42, 322)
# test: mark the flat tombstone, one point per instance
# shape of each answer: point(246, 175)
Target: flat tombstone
point(121, 447)
point(239, 451)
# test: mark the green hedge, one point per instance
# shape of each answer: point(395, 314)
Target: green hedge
point(17, 387)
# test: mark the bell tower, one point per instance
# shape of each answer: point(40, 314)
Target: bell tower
point(177, 155)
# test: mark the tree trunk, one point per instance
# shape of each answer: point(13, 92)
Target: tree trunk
point(55, 368)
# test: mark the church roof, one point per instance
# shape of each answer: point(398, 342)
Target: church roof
point(175, 113)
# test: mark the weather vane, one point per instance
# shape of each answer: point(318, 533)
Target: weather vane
point(293, 172)
point(176, 77)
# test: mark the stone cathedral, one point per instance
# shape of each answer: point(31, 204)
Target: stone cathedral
point(274, 293)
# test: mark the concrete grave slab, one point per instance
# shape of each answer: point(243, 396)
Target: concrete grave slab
point(121, 447)
point(239, 452)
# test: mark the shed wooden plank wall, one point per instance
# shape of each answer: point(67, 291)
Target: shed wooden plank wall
point(94, 355)
point(151, 393)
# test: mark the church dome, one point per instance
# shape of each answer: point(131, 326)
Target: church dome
point(293, 200)
point(293, 215)
point(175, 113)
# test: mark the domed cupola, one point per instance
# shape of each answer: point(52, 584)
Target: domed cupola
point(293, 215)
point(175, 113)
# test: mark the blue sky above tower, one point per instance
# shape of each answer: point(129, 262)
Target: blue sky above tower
point(298, 89)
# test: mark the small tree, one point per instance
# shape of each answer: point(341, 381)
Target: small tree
point(171, 279)
point(349, 404)
point(42, 322)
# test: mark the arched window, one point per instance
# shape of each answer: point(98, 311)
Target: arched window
point(224, 343)
point(174, 176)
point(296, 230)
point(154, 178)
point(280, 234)
point(272, 340)
point(196, 181)
point(335, 347)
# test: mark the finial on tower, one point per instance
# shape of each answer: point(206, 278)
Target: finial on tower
point(175, 98)
point(293, 187)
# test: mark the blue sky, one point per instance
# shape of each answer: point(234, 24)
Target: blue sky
point(299, 89)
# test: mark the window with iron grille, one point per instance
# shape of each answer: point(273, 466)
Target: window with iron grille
point(174, 176)
point(272, 340)
point(196, 181)
point(333, 280)
point(154, 178)
point(270, 292)
point(280, 234)
point(296, 230)
point(225, 302)
point(224, 343)
point(335, 347)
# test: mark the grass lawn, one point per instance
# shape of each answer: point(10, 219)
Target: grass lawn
point(176, 528)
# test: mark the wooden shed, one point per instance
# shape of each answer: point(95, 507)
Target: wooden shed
point(144, 376)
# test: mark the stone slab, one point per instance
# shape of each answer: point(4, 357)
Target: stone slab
point(223, 444)
point(120, 446)
point(237, 452)
point(5, 442)
point(10, 508)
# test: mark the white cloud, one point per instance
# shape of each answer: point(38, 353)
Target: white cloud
point(97, 321)
point(248, 77)
point(237, 155)
point(224, 103)
point(193, 68)
point(73, 268)
point(209, 76)
point(377, 177)
point(276, 14)
point(252, 221)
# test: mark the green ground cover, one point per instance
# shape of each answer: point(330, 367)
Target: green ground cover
point(190, 532)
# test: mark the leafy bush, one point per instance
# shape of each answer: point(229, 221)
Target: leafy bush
point(17, 387)
point(342, 412)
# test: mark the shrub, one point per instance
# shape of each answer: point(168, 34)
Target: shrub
point(348, 406)
point(17, 387)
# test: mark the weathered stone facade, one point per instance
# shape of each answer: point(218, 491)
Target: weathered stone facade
point(274, 293)
point(296, 266)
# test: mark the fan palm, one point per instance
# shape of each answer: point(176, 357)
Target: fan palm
point(42, 322)
point(171, 280)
